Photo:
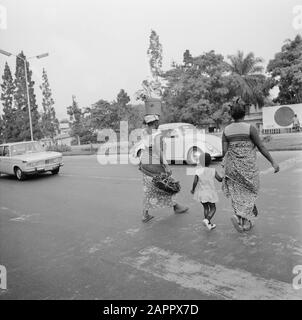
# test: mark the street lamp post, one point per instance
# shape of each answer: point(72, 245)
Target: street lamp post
point(28, 102)
point(8, 54)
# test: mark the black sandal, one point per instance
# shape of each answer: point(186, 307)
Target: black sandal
point(248, 228)
point(147, 218)
point(236, 224)
point(255, 211)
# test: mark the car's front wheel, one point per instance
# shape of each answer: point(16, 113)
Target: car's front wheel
point(55, 171)
point(193, 155)
point(19, 174)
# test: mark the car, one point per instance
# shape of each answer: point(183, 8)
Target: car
point(184, 142)
point(27, 158)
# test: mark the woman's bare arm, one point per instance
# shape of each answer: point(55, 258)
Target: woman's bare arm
point(159, 149)
point(257, 141)
point(217, 176)
point(225, 144)
point(194, 184)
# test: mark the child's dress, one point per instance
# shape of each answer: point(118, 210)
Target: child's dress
point(205, 190)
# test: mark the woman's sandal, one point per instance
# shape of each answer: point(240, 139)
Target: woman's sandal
point(236, 224)
point(180, 209)
point(255, 211)
point(147, 218)
point(245, 228)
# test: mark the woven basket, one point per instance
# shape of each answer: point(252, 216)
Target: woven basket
point(165, 182)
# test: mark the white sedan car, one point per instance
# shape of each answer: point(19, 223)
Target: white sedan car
point(184, 142)
point(26, 158)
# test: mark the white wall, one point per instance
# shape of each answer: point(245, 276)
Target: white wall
point(268, 116)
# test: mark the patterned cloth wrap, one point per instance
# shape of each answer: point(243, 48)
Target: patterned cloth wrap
point(241, 182)
point(165, 182)
point(154, 197)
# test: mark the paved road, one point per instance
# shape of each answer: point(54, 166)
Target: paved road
point(78, 235)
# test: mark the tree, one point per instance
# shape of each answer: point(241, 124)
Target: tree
point(128, 112)
point(286, 72)
point(187, 59)
point(2, 130)
point(247, 79)
point(155, 85)
point(154, 53)
point(104, 115)
point(122, 100)
point(76, 119)
point(9, 133)
point(50, 124)
point(198, 93)
point(20, 98)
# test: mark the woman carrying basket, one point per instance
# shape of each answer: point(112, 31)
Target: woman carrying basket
point(152, 165)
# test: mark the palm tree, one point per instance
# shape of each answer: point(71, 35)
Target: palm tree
point(246, 78)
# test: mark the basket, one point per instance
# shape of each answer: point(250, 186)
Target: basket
point(166, 183)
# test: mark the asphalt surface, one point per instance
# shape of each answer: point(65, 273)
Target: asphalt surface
point(79, 235)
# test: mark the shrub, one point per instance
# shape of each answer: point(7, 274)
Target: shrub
point(59, 148)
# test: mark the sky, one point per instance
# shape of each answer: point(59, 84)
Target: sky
point(97, 47)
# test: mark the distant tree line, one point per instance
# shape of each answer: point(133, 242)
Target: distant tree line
point(14, 121)
point(198, 90)
point(102, 114)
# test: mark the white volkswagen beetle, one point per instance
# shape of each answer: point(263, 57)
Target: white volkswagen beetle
point(184, 142)
point(26, 158)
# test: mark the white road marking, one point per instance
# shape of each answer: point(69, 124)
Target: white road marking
point(132, 231)
point(100, 177)
point(24, 217)
point(214, 281)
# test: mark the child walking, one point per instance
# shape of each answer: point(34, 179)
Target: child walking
point(204, 189)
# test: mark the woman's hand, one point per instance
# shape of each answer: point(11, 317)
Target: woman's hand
point(276, 167)
point(168, 170)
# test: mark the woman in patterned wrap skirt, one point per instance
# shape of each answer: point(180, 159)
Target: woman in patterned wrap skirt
point(241, 181)
point(153, 154)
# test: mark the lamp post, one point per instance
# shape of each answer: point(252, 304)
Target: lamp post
point(40, 56)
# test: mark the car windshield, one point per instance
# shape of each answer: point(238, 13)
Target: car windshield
point(27, 147)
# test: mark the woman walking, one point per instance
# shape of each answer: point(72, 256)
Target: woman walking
point(153, 162)
point(241, 181)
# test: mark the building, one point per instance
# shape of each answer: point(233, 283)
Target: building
point(254, 117)
point(279, 119)
point(63, 137)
